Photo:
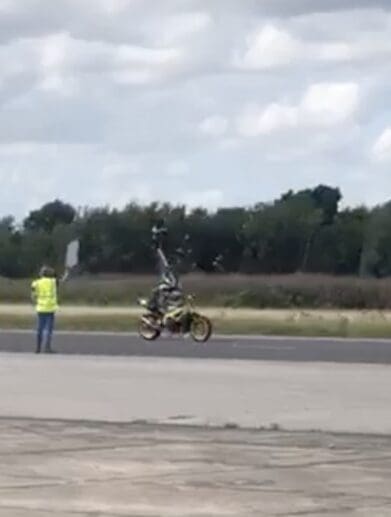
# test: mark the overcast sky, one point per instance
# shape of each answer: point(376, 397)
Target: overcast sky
point(211, 102)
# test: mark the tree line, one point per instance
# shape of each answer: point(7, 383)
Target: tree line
point(305, 231)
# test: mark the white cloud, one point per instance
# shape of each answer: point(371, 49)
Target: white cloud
point(7, 6)
point(330, 103)
point(171, 29)
point(210, 198)
point(255, 121)
point(269, 47)
point(230, 144)
point(272, 47)
point(25, 148)
point(144, 93)
point(119, 185)
point(214, 126)
point(119, 170)
point(333, 51)
point(178, 169)
point(381, 150)
point(135, 65)
point(113, 7)
point(64, 60)
point(322, 105)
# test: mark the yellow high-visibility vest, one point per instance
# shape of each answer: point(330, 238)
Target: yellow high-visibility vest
point(45, 290)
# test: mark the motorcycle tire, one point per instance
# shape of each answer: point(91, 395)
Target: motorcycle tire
point(200, 328)
point(148, 331)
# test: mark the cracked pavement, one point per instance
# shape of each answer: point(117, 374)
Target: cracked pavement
point(143, 437)
point(66, 469)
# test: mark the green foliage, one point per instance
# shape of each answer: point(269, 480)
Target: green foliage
point(50, 215)
point(376, 259)
point(301, 232)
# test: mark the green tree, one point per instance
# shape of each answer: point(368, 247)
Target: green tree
point(50, 215)
point(280, 233)
point(337, 248)
point(376, 255)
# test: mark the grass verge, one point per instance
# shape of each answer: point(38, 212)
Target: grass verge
point(235, 291)
point(370, 324)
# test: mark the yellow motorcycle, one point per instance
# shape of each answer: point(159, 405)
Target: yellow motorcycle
point(180, 320)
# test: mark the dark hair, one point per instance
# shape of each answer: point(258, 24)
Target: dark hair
point(47, 271)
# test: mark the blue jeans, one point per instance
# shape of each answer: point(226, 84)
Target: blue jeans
point(45, 327)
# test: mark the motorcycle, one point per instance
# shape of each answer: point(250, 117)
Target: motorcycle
point(180, 320)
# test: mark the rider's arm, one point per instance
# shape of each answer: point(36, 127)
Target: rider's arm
point(162, 260)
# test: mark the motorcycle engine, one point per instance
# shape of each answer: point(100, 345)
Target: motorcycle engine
point(171, 325)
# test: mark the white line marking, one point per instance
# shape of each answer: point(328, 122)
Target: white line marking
point(219, 337)
point(265, 347)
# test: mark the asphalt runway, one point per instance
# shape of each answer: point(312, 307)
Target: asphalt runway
point(248, 348)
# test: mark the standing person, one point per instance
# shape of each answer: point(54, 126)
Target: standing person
point(44, 295)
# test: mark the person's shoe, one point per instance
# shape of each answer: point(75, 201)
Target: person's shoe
point(37, 350)
point(50, 351)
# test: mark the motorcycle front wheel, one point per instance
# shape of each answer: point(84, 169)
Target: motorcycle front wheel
point(200, 328)
point(147, 328)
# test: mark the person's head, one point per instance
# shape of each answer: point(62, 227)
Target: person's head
point(46, 272)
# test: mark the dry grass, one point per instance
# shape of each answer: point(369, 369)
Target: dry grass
point(374, 324)
point(213, 312)
point(282, 292)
